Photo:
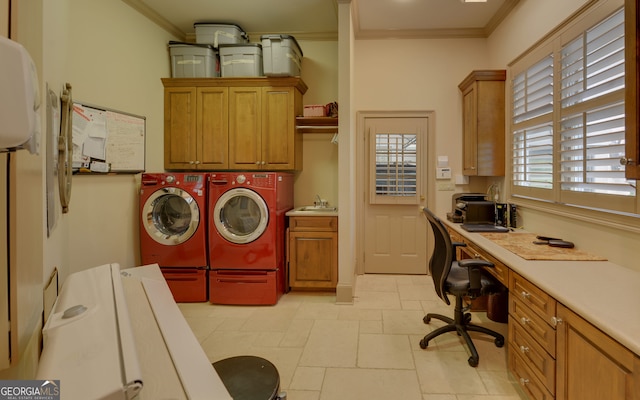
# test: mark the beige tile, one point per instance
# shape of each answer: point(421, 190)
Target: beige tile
point(297, 334)
point(369, 350)
point(331, 344)
point(411, 305)
point(370, 326)
point(385, 351)
point(439, 397)
point(403, 322)
point(447, 372)
point(203, 326)
point(358, 314)
point(302, 395)
point(377, 300)
point(417, 292)
point(317, 311)
point(376, 283)
point(498, 383)
point(370, 384)
point(308, 378)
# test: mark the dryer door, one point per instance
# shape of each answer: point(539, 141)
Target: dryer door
point(170, 216)
point(241, 215)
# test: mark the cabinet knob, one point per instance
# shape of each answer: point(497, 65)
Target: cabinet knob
point(263, 162)
point(257, 162)
point(191, 162)
point(627, 161)
point(556, 321)
point(524, 349)
point(525, 295)
point(197, 162)
point(524, 381)
point(525, 320)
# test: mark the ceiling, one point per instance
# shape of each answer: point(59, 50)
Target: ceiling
point(309, 19)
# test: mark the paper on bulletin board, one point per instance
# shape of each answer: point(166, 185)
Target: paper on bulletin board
point(107, 137)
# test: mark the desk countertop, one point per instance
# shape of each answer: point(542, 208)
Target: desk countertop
point(603, 293)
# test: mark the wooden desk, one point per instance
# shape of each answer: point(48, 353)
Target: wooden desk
point(574, 326)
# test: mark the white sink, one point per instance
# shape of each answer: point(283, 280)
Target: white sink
point(314, 210)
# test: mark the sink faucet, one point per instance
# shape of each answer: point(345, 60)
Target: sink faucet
point(319, 202)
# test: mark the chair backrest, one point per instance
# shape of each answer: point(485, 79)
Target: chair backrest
point(442, 256)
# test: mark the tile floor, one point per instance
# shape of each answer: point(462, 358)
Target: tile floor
point(365, 351)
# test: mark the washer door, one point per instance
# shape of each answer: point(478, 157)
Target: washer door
point(241, 215)
point(170, 216)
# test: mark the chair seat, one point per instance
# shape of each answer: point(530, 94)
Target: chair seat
point(457, 282)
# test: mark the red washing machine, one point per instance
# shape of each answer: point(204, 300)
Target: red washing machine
point(247, 227)
point(173, 231)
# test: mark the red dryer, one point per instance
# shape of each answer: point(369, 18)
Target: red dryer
point(173, 231)
point(247, 225)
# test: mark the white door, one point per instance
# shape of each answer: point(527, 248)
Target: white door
point(396, 180)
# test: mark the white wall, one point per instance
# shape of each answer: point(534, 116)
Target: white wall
point(420, 74)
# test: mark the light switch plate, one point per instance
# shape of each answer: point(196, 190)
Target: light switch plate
point(443, 173)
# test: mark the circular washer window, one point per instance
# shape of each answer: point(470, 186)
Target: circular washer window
point(241, 215)
point(170, 216)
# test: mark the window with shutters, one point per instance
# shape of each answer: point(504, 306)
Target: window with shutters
point(568, 118)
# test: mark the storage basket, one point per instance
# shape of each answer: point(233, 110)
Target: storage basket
point(216, 34)
point(191, 60)
point(282, 55)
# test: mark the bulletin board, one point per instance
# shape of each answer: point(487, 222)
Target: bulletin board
point(107, 141)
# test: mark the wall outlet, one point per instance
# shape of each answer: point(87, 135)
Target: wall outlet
point(446, 186)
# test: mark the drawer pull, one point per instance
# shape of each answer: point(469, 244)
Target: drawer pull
point(525, 295)
point(524, 381)
point(556, 321)
point(525, 320)
point(524, 349)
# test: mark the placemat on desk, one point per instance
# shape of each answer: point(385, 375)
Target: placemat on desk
point(522, 245)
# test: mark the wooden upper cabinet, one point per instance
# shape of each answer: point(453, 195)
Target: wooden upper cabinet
point(632, 88)
point(483, 113)
point(263, 128)
point(232, 123)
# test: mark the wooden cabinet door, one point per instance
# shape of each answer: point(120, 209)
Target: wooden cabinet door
point(483, 94)
point(245, 126)
point(180, 138)
point(591, 365)
point(469, 131)
point(213, 128)
point(313, 260)
point(278, 128)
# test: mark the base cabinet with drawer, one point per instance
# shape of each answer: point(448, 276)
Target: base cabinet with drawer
point(313, 252)
point(532, 338)
point(591, 365)
point(555, 354)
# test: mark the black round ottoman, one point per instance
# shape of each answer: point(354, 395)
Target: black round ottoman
point(249, 378)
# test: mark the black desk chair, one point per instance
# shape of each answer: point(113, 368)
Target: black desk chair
point(463, 278)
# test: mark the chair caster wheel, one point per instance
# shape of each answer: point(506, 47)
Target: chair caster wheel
point(423, 344)
point(473, 361)
point(499, 342)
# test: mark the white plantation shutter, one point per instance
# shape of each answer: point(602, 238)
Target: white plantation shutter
point(532, 129)
point(592, 124)
point(568, 128)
